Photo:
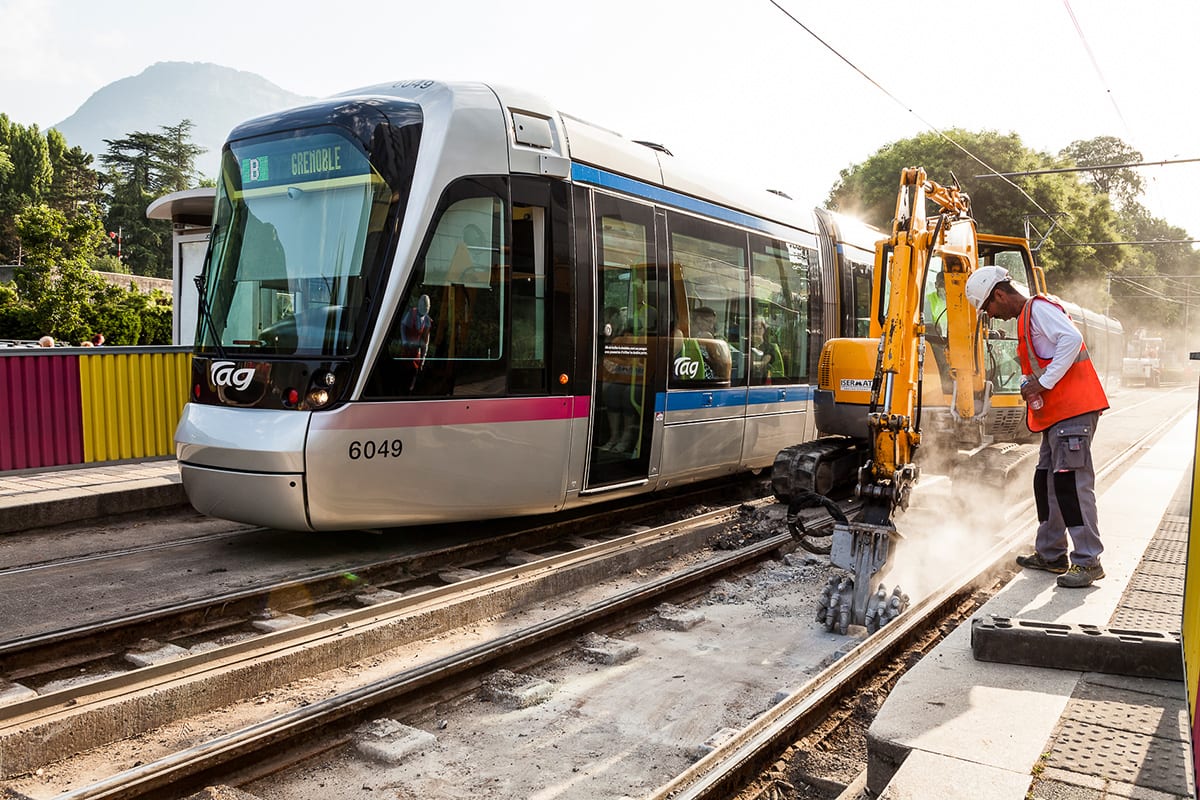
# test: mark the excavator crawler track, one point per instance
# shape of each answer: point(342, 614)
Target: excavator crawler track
point(818, 467)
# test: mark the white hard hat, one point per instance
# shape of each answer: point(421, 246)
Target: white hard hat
point(982, 281)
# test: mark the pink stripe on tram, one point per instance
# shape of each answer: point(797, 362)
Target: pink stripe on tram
point(429, 413)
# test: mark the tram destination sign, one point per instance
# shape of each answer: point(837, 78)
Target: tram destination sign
point(299, 160)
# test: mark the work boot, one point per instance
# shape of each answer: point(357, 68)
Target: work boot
point(1078, 577)
point(1035, 561)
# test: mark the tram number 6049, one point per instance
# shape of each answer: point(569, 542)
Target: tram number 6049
point(381, 449)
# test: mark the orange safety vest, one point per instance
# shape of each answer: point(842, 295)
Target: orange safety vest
point(1079, 391)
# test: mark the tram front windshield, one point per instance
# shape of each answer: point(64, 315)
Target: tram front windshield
point(297, 244)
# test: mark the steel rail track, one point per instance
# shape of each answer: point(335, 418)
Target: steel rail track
point(20, 658)
point(186, 770)
point(124, 552)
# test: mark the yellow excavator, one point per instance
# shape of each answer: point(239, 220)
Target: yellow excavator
point(868, 403)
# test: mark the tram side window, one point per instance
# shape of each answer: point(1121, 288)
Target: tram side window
point(856, 298)
point(709, 333)
point(527, 368)
point(448, 335)
point(779, 284)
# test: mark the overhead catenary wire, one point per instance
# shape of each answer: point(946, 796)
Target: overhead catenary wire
point(909, 108)
point(1093, 168)
point(1096, 66)
point(1141, 243)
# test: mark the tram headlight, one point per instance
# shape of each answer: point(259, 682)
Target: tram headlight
point(318, 398)
point(329, 379)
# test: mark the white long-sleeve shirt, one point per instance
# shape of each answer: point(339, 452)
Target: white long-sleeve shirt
point(1054, 336)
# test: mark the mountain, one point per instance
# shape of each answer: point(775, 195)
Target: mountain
point(213, 97)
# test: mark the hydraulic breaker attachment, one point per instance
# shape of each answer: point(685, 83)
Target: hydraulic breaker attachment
point(862, 549)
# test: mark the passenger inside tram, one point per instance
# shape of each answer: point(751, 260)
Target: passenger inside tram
point(766, 359)
point(718, 359)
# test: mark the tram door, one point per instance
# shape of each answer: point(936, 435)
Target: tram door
point(626, 339)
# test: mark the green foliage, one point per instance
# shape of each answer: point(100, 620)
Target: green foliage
point(39, 170)
point(118, 316)
point(142, 167)
point(109, 263)
point(54, 223)
point(157, 319)
point(6, 165)
point(17, 319)
point(1122, 185)
point(1071, 218)
point(69, 301)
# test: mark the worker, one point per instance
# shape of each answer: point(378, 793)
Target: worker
point(1064, 399)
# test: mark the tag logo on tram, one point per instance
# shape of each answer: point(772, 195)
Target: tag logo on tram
point(687, 368)
point(222, 373)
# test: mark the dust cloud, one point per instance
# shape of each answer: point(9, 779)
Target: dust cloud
point(948, 526)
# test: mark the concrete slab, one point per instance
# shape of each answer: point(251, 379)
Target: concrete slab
point(674, 618)
point(83, 679)
point(374, 597)
point(606, 650)
point(513, 690)
point(924, 775)
point(713, 742)
point(72, 494)
point(390, 742)
point(277, 622)
point(519, 558)
point(458, 575)
point(14, 692)
point(149, 653)
point(221, 793)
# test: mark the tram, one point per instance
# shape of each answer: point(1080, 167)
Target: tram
point(428, 302)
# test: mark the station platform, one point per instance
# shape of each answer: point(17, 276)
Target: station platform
point(42, 498)
point(956, 726)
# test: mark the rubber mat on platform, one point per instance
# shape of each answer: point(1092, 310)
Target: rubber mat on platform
point(1128, 616)
point(1171, 550)
point(1174, 529)
point(1165, 569)
point(1143, 582)
point(1140, 759)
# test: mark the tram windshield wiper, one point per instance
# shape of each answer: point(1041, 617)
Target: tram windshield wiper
point(201, 281)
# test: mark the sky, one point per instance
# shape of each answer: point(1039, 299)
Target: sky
point(735, 87)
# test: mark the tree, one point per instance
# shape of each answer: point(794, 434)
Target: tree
point(58, 293)
point(177, 157)
point(74, 185)
point(1122, 185)
point(1080, 244)
point(1001, 205)
point(55, 282)
point(141, 167)
point(25, 181)
point(6, 165)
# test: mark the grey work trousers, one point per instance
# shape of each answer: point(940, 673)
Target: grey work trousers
point(1064, 487)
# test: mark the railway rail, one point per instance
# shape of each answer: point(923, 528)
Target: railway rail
point(98, 647)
